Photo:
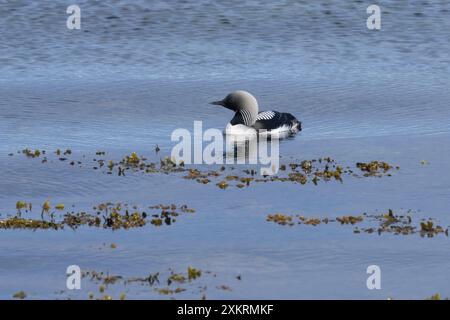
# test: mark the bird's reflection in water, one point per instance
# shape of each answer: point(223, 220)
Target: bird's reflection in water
point(252, 149)
point(241, 151)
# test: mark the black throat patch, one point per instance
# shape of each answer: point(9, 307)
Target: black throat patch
point(242, 117)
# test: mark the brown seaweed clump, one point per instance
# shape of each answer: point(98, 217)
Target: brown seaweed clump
point(20, 295)
point(281, 219)
point(385, 223)
point(173, 282)
point(310, 221)
point(32, 153)
point(402, 225)
point(390, 223)
point(193, 273)
point(303, 172)
point(21, 223)
point(136, 163)
point(428, 229)
point(290, 220)
point(106, 215)
point(105, 278)
point(168, 291)
point(321, 168)
point(22, 205)
point(375, 168)
point(349, 219)
point(298, 177)
point(222, 185)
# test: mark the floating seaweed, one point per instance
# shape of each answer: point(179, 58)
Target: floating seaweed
point(436, 296)
point(45, 208)
point(349, 219)
point(375, 168)
point(20, 295)
point(222, 185)
point(290, 220)
point(21, 223)
point(20, 205)
point(298, 177)
point(176, 277)
point(102, 277)
point(172, 284)
point(193, 273)
point(151, 279)
point(428, 229)
point(401, 225)
point(310, 221)
point(107, 215)
point(281, 219)
point(303, 172)
point(386, 223)
point(167, 291)
point(31, 153)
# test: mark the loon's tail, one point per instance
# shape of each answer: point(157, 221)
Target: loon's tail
point(296, 126)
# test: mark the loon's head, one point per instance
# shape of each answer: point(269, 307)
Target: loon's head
point(243, 103)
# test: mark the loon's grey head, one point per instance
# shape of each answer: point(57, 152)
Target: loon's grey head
point(243, 103)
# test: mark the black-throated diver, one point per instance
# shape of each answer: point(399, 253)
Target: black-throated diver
point(248, 117)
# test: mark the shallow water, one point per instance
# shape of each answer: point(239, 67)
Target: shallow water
point(124, 84)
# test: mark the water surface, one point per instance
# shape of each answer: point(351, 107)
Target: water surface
point(137, 71)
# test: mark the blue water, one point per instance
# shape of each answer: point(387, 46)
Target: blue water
point(138, 70)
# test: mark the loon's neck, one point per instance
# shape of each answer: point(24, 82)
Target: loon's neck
point(244, 117)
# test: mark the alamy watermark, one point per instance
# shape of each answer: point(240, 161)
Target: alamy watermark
point(73, 281)
point(250, 147)
point(374, 20)
point(374, 280)
point(74, 20)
